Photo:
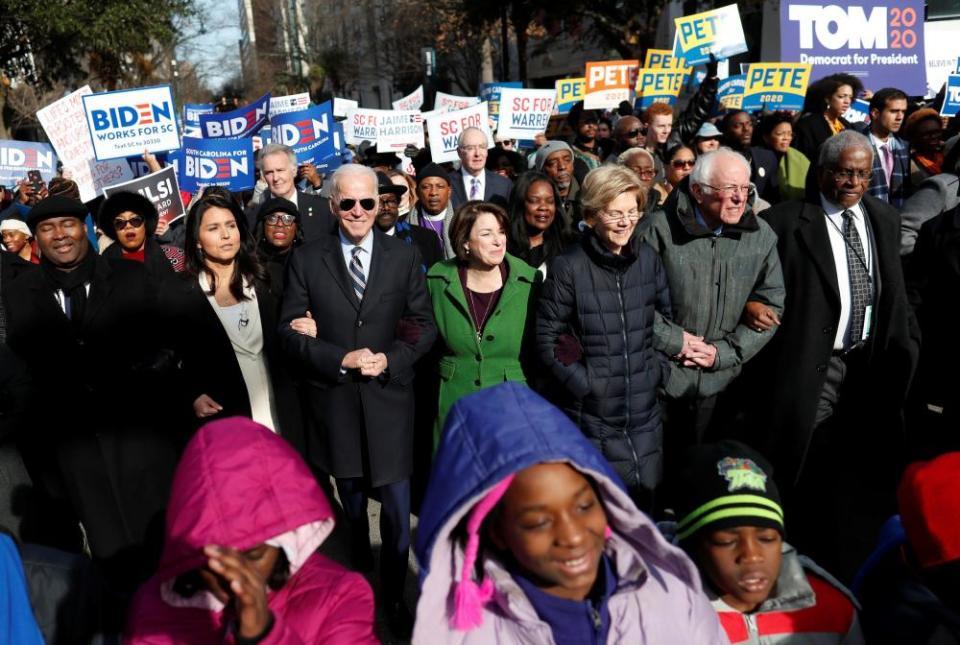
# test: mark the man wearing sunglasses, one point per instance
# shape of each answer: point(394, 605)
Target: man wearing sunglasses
point(830, 386)
point(717, 255)
point(88, 329)
point(278, 168)
point(367, 292)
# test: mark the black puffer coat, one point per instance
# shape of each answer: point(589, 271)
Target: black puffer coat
point(607, 302)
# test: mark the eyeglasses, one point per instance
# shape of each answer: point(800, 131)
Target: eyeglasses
point(682, 163)
point(367, 204)
point(727, 191)
point(615, 216)
point(280, 219)
point(645, 173)
point(844, 174)
point(474, 148)
point(120, 224)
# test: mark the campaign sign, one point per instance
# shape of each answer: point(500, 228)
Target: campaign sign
point(775, 86)
point(341, 106)
point(879, 41)
point(66, 128)
point(569, 91)
point(859, 112)
point(662, 59)
point(449, 103)
point(139, 167)
point(216, 162)
point(524, 113)
point(290, 103)
point(730, 92)
point(412, 101)
point(309, 132)
point(191, 115)
point(239, 123)
point(659, 86)
point(490, 92)
point(941, 51)
point(17, 157)
point(445, 129)
point(398, 129)
point(127, 122)
point(160, 188)
point(951, 100)
point(609, 82)
point(361, 125)
point(718, 32)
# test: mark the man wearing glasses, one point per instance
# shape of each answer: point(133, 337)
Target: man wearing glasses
point(473, 181)
point(717, 255)
point(831, 384)
point(367, 292)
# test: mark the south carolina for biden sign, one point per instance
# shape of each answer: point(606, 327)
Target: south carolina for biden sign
point(127, 122)
point(880, 41)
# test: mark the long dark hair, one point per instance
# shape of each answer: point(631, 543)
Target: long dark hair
point(246, 262)
point(518, 237)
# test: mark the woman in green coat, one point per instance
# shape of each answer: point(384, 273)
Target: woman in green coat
point(483, 302)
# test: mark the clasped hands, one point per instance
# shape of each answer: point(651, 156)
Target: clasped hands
point(696, 353)
point(369, 364)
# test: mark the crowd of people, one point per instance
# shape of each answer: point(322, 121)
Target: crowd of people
point(607, 376)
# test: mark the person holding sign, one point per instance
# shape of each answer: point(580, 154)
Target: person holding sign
point(587, 151)
point(130, 220)
point(595, 331)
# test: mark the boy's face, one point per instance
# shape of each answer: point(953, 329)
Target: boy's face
point(554, 526)
point(742, 563)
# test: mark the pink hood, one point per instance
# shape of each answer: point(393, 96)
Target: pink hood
point(240, 485)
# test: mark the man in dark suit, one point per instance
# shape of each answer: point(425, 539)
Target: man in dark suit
point(87, 326)
point(278, 168)
point(737, 130)
point(474, 181)
point(891, 155)
point(388, 221)
point(367, 291)
point(831, 383)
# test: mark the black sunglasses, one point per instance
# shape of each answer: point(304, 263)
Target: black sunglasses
point(366, 204)
point(633, 133)
point(135, 222)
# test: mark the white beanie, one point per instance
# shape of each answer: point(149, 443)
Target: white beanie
point(13, 224)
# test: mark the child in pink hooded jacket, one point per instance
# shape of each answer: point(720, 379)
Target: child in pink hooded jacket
point(239, 563)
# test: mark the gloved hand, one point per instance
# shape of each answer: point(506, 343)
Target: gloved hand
point(568, 350)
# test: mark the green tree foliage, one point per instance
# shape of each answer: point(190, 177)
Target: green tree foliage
point(46, 42)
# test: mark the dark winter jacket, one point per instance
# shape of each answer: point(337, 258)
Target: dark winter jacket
point(608, 303)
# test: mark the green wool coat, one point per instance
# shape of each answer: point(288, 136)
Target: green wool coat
point(467, 365)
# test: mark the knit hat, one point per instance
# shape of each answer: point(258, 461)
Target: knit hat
point(548, 149)
point(14, 224)
point(55, 206)
point(65, 187)
point(122, 202)
point(470, 597)
point(708, 131)
point(278, 205)
point(723, 485)
point(432, 170)
point(929, 503)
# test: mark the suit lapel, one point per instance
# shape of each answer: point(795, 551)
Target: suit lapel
point(458, 189)
point(100, 290)
point(333, 258)
point(817, 241)
point(377, 273)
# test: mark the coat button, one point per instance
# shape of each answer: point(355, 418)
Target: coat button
point(477, 382)
point(827, 330)
point(820, 368)
point(478, 357)
point(490, 337)
point(359, 323)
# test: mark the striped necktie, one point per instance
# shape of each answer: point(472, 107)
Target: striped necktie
point(356, 273)
point(474, 188)
point(861, 286)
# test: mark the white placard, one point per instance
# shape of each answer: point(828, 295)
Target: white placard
point(289, 103)
point(445, 130)
point(342, 106)
point(361, 125)
point(125, 123)
point(397, 129)
point(525, 113)
point(412, 101)
point(449, 103)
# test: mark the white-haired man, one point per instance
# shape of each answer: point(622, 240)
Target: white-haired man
point(368, 292)
point(473, 180)
point(718, 256)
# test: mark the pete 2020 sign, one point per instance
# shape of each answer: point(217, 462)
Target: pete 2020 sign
point(309, 132)
point(239, 123)
point(718, 32)
point(127, 122)
point(17, 157)
point(775, 86)
point(659, 85)
point(609, 83)
point(216, 162)
point(569, 92)
point(879, 41)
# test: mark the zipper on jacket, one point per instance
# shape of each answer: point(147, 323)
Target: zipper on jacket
point(597, 623)
point(626, 375)
point(751, 621)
